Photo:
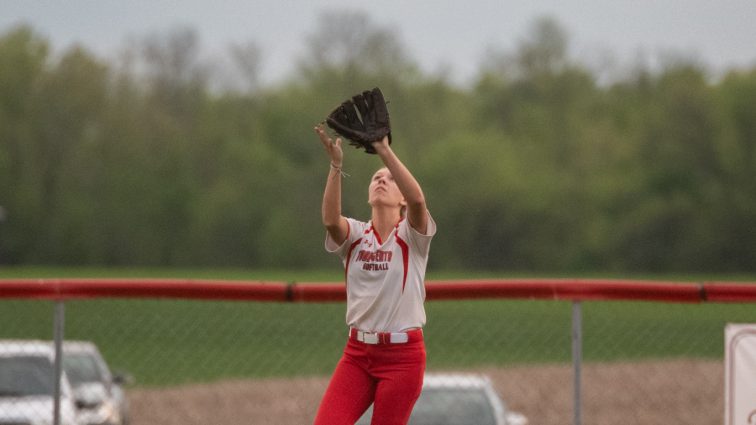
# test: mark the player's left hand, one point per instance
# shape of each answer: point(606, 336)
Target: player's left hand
point(362, 119)
point(382, 144)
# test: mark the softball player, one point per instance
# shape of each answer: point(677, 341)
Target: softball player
point(384, 261)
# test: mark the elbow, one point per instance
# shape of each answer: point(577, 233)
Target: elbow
point(416, 202)
point(330, 217)
point(331, 223)
point(332, 229)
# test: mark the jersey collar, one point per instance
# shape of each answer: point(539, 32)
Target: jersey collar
point(377, 235)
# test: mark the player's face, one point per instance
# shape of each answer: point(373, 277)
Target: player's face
point(383, 190)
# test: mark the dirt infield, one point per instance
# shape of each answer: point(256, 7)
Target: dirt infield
point(686, 392)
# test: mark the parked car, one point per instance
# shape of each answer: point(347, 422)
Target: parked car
point(27, 385)
point(98, 393)
point(458, 399)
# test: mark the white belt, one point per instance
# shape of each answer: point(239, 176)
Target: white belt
point(380, 337)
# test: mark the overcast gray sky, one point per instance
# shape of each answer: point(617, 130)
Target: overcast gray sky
point(438, 34)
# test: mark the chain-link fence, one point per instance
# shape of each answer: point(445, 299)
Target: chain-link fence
point(239, 362)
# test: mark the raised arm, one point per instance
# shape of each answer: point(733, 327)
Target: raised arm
point(336, 224)
point(417, 211)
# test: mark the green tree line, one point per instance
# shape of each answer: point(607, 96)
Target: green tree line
point(535, 166)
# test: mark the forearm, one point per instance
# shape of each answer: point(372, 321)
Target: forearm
point(331, 209)
point(417, 211)
point(408, 185)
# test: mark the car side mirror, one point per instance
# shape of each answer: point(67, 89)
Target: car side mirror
point(123, 378)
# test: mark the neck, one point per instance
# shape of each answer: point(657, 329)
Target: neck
point(384, 219)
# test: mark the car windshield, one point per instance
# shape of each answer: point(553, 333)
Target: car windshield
point(81, 369)
point(448, 406)
point(453, 406)
point(22, 376)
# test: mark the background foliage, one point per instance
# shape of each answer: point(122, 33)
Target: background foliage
point(539, 165)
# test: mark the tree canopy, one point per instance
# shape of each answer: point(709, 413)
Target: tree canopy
point(535, 167)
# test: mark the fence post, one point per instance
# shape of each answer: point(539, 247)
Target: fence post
point(58, 366)
point(577, 358)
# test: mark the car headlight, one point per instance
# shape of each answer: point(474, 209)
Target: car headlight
point(104, 414)
point(108, 412)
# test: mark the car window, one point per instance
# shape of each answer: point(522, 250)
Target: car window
point(448, 406)
point(81, 368)
point(23, 376)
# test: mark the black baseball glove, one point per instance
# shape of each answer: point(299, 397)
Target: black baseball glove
point(370, 125)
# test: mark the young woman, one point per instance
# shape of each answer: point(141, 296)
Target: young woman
point(384, 260)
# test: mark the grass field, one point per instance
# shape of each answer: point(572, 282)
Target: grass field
point(162, 342)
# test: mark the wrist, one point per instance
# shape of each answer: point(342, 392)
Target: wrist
point(337, 169)
point(379, 146)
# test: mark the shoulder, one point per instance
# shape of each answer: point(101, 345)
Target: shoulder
point(359, 227)
point(419, 242)
point(430, 228)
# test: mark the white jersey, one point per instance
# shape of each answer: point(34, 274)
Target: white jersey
point(384, 279)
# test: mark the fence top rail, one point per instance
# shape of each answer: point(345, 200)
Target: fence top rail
point(280, 291)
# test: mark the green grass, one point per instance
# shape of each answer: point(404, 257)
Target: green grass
point(326, 274)
point(165, 342)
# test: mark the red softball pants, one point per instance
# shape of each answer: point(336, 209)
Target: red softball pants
point(390, 376)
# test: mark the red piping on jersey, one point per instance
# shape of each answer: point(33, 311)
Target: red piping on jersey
point(405, 258)
point(349, 258)
point(402, 244)
point(377, 235)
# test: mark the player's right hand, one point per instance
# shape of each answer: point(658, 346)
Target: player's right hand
point(332, 147)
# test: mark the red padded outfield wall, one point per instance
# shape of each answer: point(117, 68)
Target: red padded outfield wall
point(275, 291)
